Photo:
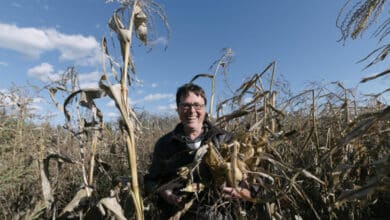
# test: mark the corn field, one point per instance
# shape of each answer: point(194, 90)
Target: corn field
point(322, 153)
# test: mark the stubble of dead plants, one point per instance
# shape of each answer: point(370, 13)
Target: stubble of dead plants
point(322, 153)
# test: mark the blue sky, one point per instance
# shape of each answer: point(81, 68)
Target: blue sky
point(41, 38)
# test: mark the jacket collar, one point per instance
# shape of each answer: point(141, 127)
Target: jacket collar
point(209, 130)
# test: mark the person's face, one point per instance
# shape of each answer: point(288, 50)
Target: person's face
point(192, 111)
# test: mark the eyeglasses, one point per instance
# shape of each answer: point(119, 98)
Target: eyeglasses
point(187, 106)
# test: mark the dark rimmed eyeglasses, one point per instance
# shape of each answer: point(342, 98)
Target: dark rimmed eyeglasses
point(187, 106)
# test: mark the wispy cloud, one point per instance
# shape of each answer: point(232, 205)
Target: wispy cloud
point(89, 76)
point(154, 85)
point(44, 72)
point(89, 85)
point(38, 100)
point(161, 40)
point(89, 80)
point(156, 97)
point(33, 42)
point(113, 115)
point(167, 108)
point(3, 63)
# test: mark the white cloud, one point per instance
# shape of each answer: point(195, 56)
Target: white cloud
point(167, 108)
point(154, 85)
point(89, 85)
point(42, 69)
point(89, 80)
point(35, 108)
point(160, 40)
point(44, 72)
point(33, 42)
point(113, 115)
point(157, 96)
point(3, 63)
point(153, 97)
point(92, 76)
point(36, 104)
point(38, 100)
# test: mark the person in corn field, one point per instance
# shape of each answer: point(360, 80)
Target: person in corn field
point(178, 149)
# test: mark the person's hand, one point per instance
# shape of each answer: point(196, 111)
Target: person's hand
point(171, 197)
point(166, 191)
point(236, 193)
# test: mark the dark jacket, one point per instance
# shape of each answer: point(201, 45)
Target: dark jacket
point(171, 153)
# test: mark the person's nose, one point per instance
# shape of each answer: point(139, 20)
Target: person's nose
point(192, 108)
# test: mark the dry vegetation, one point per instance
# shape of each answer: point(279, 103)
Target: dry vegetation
point(323, 153)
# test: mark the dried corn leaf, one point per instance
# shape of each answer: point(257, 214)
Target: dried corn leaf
point(52, 92)
point(124, 35)
point(193, 187)
point(309, 175)
point(380, 57)
point(248, 84)
point(45, 176)
point(37, 213)
point(264, 175)
point(376, 184)
point(113, 92)
point(365, 124)
point(113, 63)
point(183, 172)
point(46, 186)
point(216, 164)
point(200, 153)
point(141, 28)
point(206, 75)
point(183, 210)
point(86, 99)
point(142, 31)
point(112, 206)
point(383, 73)
point(233, 174)
point(78, 200)
point(116, 25)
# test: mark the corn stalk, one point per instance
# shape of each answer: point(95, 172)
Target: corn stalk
point(223, 63)
point(121, 97)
